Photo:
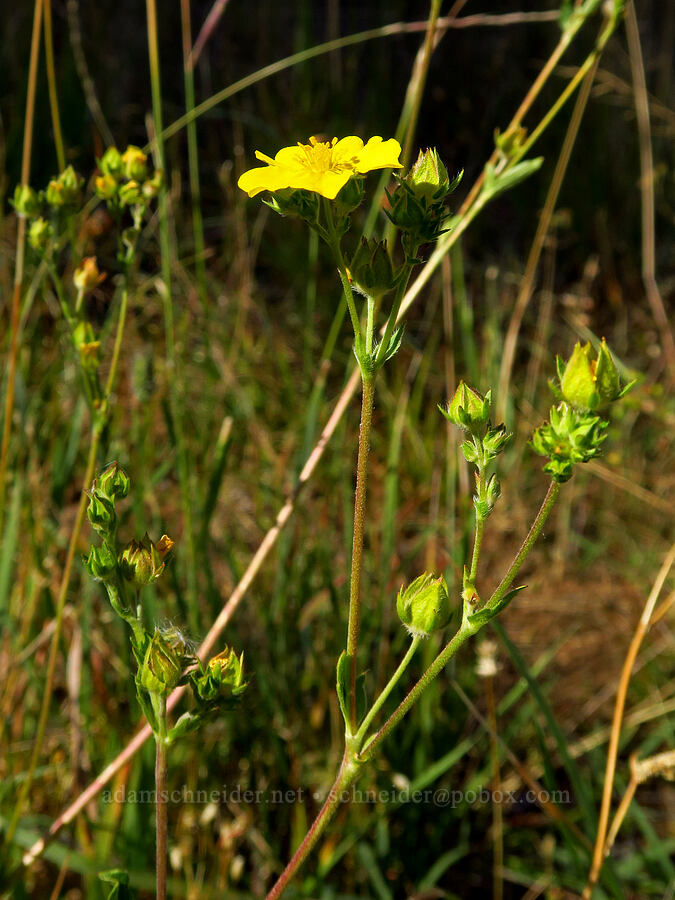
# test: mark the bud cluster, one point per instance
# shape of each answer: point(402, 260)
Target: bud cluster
point(47, 209)
point(126, 181)
point(470, 411)
point(588, 382)
point(164, 655)
point(417, 207)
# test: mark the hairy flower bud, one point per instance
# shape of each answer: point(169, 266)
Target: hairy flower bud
point(569, 437)
point(135, 163)
point(101, 513)
point(111, 163)
point(165, 658)
point(222, 680)
point(424, 606)
point(100, 563)
point(371, 270)
point(142, 561)
point(26, 201)
point(589, 381)
point(40, 235)
point(428, 178)
point(114, 482)
point(468, 409)
point(87, 276)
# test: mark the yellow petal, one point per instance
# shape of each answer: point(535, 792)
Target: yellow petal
point(265, 178)
point(379, 154)
point(346, 149)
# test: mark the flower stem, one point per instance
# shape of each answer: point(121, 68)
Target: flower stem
point(463, 634)
point(526, 546)
point(346, 775)
point(367, 398)
point(377, 705)
point(480, 524)
point(161, 766)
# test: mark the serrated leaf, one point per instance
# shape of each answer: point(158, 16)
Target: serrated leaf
point(394, 344)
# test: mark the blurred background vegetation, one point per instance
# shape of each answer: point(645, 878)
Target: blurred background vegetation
point(252, 317)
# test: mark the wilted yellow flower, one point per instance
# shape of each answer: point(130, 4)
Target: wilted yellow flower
point(324, 168)
point(87, 276)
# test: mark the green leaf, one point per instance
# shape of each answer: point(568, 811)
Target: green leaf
point(342, 672)
point(483, 616)
point(120, 884)
point(495, 184)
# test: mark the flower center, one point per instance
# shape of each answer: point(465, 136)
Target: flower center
point(319, 157)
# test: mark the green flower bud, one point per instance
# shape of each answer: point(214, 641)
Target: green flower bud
point(134, 163)
point(570, 436)
point(424, 606)
point(468, 409)
point(100, 563)
point(417, 205)
point(111, 163)
point(589, 381)
point(222, 680)
point(40, 235)
point(165, 658)
point(105, 186)
point(370, 270)
point(428, 178)
point(65, 189)
point(114, 482)
point(143, 561)
point(101, 513)
point(495, 440)
point(152, 186)
point(349, 198)
point(26, 201)
point(130, 194)
point(291, 202)
point(87, 276)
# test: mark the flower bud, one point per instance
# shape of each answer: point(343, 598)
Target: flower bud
point(151, 186)
point(589, 381)
point(111, 164)
point(64, 190)
point(468, 409)
point(570, 436)
point(40, 235)
point(424, 606)
point(163, 663)
point(26, 201)
point(134, 163)
point(371, 270)
point(114, 482)
point(101, 513)
point(130, 194)
point(105, 186)
point(222, 679)
point(141, 562)
point(87, 276)
point(100, 563)
point(428, 178)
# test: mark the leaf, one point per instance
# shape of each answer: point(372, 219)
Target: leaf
point(120, 884)
point(483, 616)
point(342, 672)
point(498, 183)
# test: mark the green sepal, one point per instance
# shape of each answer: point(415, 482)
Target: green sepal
point(394, 345)
point(186, 724)
point(483, 616)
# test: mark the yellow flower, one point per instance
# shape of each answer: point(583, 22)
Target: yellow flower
point(324, 168)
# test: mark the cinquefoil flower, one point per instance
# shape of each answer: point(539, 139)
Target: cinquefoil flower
point(324, 168)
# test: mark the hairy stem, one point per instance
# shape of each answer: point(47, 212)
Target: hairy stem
point(367, 398)
point(345, 777)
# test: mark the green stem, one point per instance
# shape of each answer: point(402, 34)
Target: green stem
point(532, 535)
point(161, 766)
point(345, 777)
point(334, 243)
point(51, 84)
point(437, 666)
point(367, 398)
point(466, 629)
point(377, 705)
point(480, 524)
point(98, 424)
point(370, 306)
point(174, 377)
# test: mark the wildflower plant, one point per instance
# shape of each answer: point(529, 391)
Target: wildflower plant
point(322, 183)
point(164, 655)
